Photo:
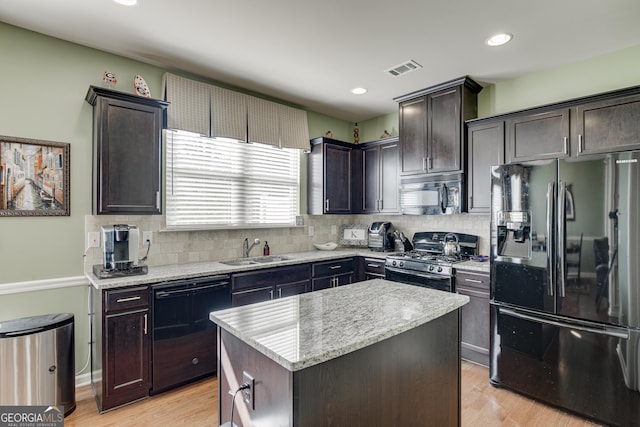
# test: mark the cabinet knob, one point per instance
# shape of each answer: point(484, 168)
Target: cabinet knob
point(195, 361)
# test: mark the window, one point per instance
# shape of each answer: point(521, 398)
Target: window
point(222, 184)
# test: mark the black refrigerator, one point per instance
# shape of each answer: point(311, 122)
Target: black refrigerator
point(565, 283)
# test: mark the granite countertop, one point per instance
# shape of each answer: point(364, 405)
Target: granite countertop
point(165, 273)
point(482, 267)
point(304, 330)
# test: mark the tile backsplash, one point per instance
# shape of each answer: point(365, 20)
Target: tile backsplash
point(181, 247)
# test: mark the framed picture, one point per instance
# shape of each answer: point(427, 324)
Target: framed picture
point(354, 235)
point(34, 177)
point(570, 209)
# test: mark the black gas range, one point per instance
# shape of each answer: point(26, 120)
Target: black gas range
point(426, 265)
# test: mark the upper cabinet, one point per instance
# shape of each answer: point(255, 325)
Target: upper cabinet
point(127, 147)
point(486, 148)
point(333, 184)
point(432, 132)
point(608, 125)
point(538, 136)
point(380, 161)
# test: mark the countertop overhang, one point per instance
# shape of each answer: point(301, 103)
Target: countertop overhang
point(304, 330)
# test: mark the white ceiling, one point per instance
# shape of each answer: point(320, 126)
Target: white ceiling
point(313, 53)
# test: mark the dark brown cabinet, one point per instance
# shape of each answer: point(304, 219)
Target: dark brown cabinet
point(432, 133)
point(474, 316)
point(380, 160)
point(373, 268)
point(538, 136)
point(330, 274)
point(608, 125)
point(127, 148)
point(333, 185)
point(264, 285)
point(121, 342)
point(485, 148)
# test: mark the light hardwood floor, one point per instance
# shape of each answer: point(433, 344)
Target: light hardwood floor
point(197, 405)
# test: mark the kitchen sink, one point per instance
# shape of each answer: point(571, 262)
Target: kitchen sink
point(255, 260)
point(239, 262)
point(272, 258)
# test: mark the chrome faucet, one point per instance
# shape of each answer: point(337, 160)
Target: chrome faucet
point(246, 248)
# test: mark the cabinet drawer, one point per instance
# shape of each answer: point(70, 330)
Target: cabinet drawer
point(125, 299)
point(295, 273)
point(469, 279)
point(374, 266)
point(333, 268)
point(251, 280)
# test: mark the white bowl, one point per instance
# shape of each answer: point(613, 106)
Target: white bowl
point(329, 246)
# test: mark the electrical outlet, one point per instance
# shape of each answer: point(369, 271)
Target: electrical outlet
point(147, 236)
point(93, 239)
point(334, 229)
point(249, 394)
point(311, 230)
point(299, 221)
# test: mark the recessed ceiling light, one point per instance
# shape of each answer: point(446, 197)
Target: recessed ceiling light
point(499, 39)
point(358, 91)
point(127, 2)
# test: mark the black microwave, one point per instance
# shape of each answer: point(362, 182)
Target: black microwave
point(432, 194)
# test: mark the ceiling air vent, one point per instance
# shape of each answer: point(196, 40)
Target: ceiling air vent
point(404, 68)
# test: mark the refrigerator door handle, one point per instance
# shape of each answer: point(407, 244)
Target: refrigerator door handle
point(562, 217)
point(605, 330)
point(550, 269)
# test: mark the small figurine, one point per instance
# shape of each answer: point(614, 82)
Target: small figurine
point(109, 78)
point(328, 134)
point(385, 134)
point(141, 87)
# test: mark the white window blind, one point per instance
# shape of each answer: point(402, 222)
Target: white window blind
point(222, 184)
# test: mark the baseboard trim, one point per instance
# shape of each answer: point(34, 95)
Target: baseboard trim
point(83, 380)
point(41, 285)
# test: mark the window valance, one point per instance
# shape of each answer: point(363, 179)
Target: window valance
point(222, 113)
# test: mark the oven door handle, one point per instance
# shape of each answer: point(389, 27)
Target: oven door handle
point(414, 274)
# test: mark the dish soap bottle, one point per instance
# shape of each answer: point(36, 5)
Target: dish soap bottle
point(265, 251)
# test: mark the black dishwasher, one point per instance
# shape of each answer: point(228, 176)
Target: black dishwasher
point(184, 339)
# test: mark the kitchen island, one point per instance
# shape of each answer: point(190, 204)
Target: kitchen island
point(370, 353)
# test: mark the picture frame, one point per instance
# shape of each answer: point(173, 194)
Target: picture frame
point(354, 235)
point(570, 210)
point(34, 177)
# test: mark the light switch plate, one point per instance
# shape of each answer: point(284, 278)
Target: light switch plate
point(312, 230)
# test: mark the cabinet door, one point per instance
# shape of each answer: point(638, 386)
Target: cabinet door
point(610, 125)
point(413, 131)
point(296, 288)
point(389, 178)
point(337, 179)
point(474, 316)
point(444, 124)
point(322, 283)
point(126, 352)
point(538, 136)
point(252, 296)
point(128, 139)
point(371, 177)
point(486, 148)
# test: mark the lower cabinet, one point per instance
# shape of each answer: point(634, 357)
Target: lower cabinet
point(474, 316)
point(263, 285)
point(121, 337)
point(373, 268)
point(330, 274)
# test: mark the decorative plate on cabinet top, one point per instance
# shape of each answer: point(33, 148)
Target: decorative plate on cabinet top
point(141, 86)
point(329, 246)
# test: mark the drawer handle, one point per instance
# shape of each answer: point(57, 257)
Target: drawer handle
point(473, 280)
point(136, 298)
point(335, 267)
point(373, 265)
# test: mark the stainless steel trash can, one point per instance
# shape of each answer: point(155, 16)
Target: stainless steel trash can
point(37, 361)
